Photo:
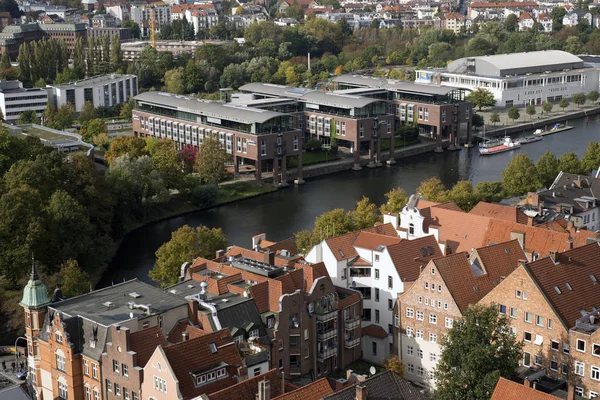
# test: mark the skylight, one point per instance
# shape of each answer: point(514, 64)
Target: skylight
point(557, 290)
point(569, 288)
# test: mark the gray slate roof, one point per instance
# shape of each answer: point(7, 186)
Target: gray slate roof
point(237, 312)
point(562, 191)
point(16, 392)
point(383, 386)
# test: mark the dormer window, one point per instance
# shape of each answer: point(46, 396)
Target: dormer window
point(202, 378)
point(58, 337)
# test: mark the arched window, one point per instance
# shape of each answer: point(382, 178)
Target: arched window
point(411, 229)
point(96, 393)
point(60, 360)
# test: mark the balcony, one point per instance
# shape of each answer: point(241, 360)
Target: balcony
point(351, 342)
point(295, 370)
point(327, 353)
point(327, 334)
point(294, 331)
point(324, 316)
point(295, 348)
point(352, 323)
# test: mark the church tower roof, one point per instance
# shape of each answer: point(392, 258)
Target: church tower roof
point(35, 294)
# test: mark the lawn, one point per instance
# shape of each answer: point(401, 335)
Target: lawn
point(43, 134)
point(399, 143)
point(240, 190)
point(360, 367)
point(312, 157)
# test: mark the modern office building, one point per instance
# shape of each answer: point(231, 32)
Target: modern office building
point(102, 90)
point(518, 79)
point(14, 99)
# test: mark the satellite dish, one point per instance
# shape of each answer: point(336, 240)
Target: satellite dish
point(131, 315)
point(372, 370)
point(353, 284)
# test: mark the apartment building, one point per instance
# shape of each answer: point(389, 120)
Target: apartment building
point(378, 264)
point(553, 307)
point(440, 113)
point(258, 137)
point(356, 122)
point(13, 36)
point(102, 90)
point(500, 8)
point(141, 14)
point(454, 22)
point(444, 290)
point(14, 99)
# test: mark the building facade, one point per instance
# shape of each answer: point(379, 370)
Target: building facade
point(14, 99)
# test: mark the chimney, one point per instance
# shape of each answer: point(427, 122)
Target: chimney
point(219, 253)
point(348, 374)
point(202, 294)
point(264, 390)
point(554, 255)
point(571, 392)
point(529, 221)
point(269, 257)
point(257, 239)
point(193, 311)
point(522, 262)
point(527, 383)
point(185, 336)
point(361, 391)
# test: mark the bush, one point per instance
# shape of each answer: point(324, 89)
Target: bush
point(407, 131)
point(313, 145)
point(205, 195)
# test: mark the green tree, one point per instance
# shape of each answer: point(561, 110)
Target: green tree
point(578, 98)
point(40, 83)
point(5, 61)
point(28, 117)
point(396, 200)
point(564, 103)
point(569, 162)
point(476, 352)
point(65, 76)
point(463, 195)
point(480, 98)
point(115, 53)
point(49, 114)
point(133, 146)
point(513, 113)
point(365, 215)
point(186, 245)
point(490, 191)
point(477, 120)
point(593, 96)
point(433, 189)
point(557, 15)
point(333, 223)
point(591, 158)
point(173, 80)
point(547, 107)
point(92, 128)
point(394, 364)
point(133, 27)
point(165, 160)
point(63, 118)
point(520, 176)
point(547, 167)
point(494, 118)
point(305, 240)
point(87, 113)
point(210, 161)
point(127, 108)
point(73, 281)
point(530, 110)
point(511, 23)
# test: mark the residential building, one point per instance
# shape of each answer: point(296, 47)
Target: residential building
point(104, 21)
point(442, 293)
point(384, 385)
point(571, 199)
point(141, 14)
point(553, 308)
point(520, 78)
point(378, 264)
point(439, 112)
point(251, 135)
point(202, 20)
point(264, 387)
point(526, 21)
point(499, 8)
point(573, 18)
point(103, 90)
point(124, 34)
point(14, 99)
point(132, 50)
point(454, 22)
point(546, 21)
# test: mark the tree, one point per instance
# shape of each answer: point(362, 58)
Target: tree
point(61, 119)
point(547, 167)
point(173, 80)
point(127, 108)
point(513, 113)
point(88, 112)
point(305, 240)
point(49, 114)
point(578, 98)
point(433, 189)
point(463, 195)
point(494, 118)
point(92, 128)
point(40, 83)
point(477, 120)
point(122, 145)
point(133, 27)
point(5, 61)
point(490, 191)
point(593, 96)
point(530, 110)
point(188, 157)
point(73, 281)
point(395, 364)
point(520, 176)
point(569, 162)
point(591, 158)
point(165, 160)
point(28, 117)
point(365, 215)
point(333, 223)
point(186, 245)
point(210, 161)
point(476, 352)
point(547, 107)
point(564, 103)
point(480, 98)
point(396, 200)
point(65, 76)
point(511, 23)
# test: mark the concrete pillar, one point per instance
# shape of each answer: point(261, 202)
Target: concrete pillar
point(371, 163)
point(276, 180)
point(284, 180)
point(391, 161)
point(236, 167)
point(299, 180)
point(438, 140)
point(469, 134)
point(356, 166)
point(378, 154)
point(259, 171)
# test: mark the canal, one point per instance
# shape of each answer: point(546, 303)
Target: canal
point(280, 214)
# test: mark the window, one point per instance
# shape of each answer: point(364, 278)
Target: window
point(578, 391)
point(420, 315)
point(126, 394)
point(135, 396)
point(593, 395)
point(390, 329)
point(88, 393)
point(115, 366)
point(390, 283)
point(581, 345)
point(160, 384)
point(374, 348)
point(390, 304)
point(549, 323)
point(376, 257)
point(86, 367)
point(595, 373)
point(108, 385)
point(526, 358)
point(566, 348)
point(554, 345)
point(513, 312)
point(420, 354)
point(528, 317)
point(125, 369)
point(377, 316)
point(420, 299)
point(448, 323)
point(94, 371)
point(579, 368)
point(410, 350)
point(117, 389)
point(432, 357)
point(63, 394)
point(553, 365)
point(527, 336)
point(420, 371)
point(433, 338)
point(60, 363)
point(376, 273)
point(502, 309)
point(410, 368)
point(58, 337)
point(518, 294)
point(419, 334)
point(538, 359)
point(524, 296)
point(409, 313)
point(409, 331)
point(396, 321)
point(539, 320)
point(446, 306)
point(432, 319)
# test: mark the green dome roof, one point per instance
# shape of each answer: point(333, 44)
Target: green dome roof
point(35, 294)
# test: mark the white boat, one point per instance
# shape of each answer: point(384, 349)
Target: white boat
point(498, 146)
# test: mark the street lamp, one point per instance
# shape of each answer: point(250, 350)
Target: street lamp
point(17, 351)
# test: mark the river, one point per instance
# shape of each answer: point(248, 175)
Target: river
point(280, 214)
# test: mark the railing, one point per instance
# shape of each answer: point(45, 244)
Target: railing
point(326, 316)
point(325, 354)
point(352, 342)
point(352, 323)
point(328, 334)
point(295, 370)
point(294, 331)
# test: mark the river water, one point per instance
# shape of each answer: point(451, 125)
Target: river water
point(280, 214)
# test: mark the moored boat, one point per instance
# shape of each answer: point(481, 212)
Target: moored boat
point(530, 139)
point(498, 146)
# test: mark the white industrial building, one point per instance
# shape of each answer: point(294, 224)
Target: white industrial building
point(519, 79)
point(14, 99)
point(103, 90)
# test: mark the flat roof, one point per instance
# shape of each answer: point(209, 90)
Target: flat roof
point(228, 111)
point(310, 96)
point(94, 81)
point(530, 59)
point(111, 304)
point(391, 84)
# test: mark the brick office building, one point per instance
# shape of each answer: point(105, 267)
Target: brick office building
point(13, 36)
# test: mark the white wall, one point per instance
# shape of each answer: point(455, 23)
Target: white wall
point(427, 348)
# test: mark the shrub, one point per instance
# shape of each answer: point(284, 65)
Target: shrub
point(313, 145)
point(205, 195)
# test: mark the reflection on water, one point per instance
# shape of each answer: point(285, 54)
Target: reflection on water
point(286, 211)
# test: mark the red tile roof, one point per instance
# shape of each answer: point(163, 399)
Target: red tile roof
point(374, 331)
point(454, 15)
point(509, 390)
point(408, 256)
point(573, 267)
point(176, 334)
point(498, 211)
point(313, 391)
point(507, 4)
point(186, 357)
point(287, 244)
point(524, 15)
point(248, 389)
point(371, 241)
point(345, 242)
point(460, 231)
point(144, 343)
point(347, 301)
